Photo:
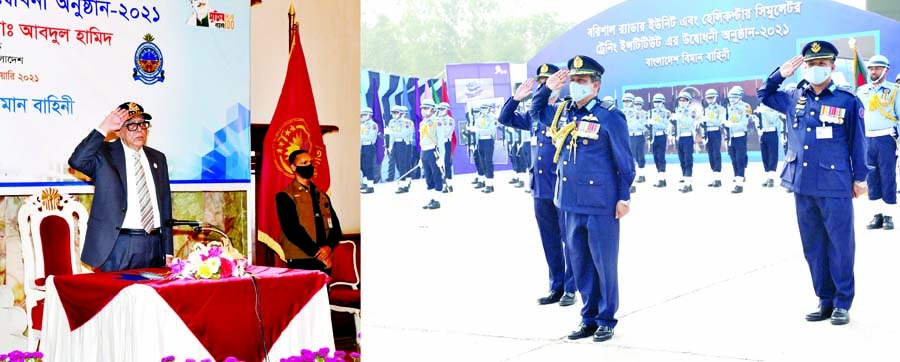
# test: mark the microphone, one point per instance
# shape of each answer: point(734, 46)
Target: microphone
point(175, 222)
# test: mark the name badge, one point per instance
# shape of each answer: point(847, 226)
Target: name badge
point(823, 133)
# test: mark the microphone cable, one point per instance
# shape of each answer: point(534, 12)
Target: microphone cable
point(262, 333)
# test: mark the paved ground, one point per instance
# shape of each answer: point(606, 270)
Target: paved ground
point(704, 276)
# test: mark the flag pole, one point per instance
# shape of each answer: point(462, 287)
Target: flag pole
point(291, 26)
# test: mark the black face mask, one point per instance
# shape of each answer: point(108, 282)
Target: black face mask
point(305, 171)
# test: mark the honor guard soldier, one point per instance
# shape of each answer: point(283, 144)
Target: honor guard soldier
point(739, 114)
point(595, 170)
point(368, 134)
point(642, 116)
point(685, 122)
point(472, 146)
point(430, 143)
point(402, 137)
point(882, 108)
point(543, 180)
point(713, 118)
point(658, 123)
point(825, 166)
point(770, 124)
point(486, 129)
point(389, 157)
point(636, 127)
point(446, 125)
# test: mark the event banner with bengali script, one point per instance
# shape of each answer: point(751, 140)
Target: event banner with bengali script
point(649, 46)
point(66, 64)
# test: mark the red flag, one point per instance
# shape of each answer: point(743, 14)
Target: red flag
point(294, 126)
point(860, 76)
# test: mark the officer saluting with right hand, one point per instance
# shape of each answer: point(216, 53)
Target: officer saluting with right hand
point(825, 167)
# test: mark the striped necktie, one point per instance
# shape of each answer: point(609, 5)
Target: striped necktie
point(143, 194)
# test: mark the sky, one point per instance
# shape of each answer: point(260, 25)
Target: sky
point(583, 9)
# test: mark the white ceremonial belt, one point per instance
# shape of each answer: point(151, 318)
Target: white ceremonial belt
point(427, 148)
point(399, 140)
point(879, 133)
point(738, 134)
point(637, 133)
point(769, 129)
point(660, 133)
point(685, 134)
point(485, 137)
point(368, 144)
point(710, 129)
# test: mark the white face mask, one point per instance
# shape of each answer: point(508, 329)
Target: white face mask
point(627, 104)
point(657, 105)
point(816, 75)
point(579, 91)
point(711, 100)
point(733, 101)
point(683, 104)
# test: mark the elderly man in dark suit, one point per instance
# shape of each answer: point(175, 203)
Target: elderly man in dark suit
point(132, 196)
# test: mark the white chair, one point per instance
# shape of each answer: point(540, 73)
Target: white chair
point(343, 291)
point(52, 227)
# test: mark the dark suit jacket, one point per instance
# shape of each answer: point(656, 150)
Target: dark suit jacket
point(104, 163)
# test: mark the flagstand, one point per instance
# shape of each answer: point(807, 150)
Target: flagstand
point(251, 211)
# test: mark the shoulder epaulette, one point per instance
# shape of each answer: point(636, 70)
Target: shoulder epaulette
point(608, 105)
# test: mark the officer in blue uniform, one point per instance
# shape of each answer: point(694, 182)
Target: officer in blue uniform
point(685, 122)
point(769, 125)
point(595, 170)
point(882, 108)
point(430, 143)
point(739, 114)
point(543, 181)
point(368, 134)
point(825, 167)
point(658, 123)
point(713, 118)
point(636, 127)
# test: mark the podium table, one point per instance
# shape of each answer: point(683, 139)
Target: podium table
point(111, 317)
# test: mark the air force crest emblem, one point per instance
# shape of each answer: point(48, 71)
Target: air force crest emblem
point(148, 62)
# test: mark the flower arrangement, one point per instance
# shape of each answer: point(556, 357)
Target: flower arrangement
point(19, 356)
point(211, 261)
point(305, 356)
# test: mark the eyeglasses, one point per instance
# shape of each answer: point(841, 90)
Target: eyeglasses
point(134, 126)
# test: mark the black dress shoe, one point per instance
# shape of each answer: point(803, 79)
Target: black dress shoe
point(479, 185)
point(716, 183)
point(686, 188)
point(450, 188)
point(603, 333)
point(662, 183)
point(432, 205)
point(567, 299)
point(876, 223)
point(583, 331)
point(368, 190)
point(820, 315)
point(520, 184)
point(738, 189)
point(551, 298)
point(641, 179)
point(632, 189)
point(402, 189)
point(514, 180)
point(888, 223)
point(488, 189)
point(840, 316)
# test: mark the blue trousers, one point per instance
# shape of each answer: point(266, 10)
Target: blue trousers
point(401, 156)
point(448, 159)
point(686, 155)
point(593, 245)
point(432, 173)
point(478, 165)
point(714, 150)
point(881, 158)
point(367, 162)
point(486, 150)
point(550, 225)
point(638, 145)
point(768, 147)
point(737, 150)
point(659, 153)
point(829, 245)
point(135, 252)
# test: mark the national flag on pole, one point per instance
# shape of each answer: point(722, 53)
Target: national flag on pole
point(294, 126)
point(445, 97)
point(860, 75)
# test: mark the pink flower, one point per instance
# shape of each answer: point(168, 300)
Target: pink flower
point(227, 268)
point(215, 251)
